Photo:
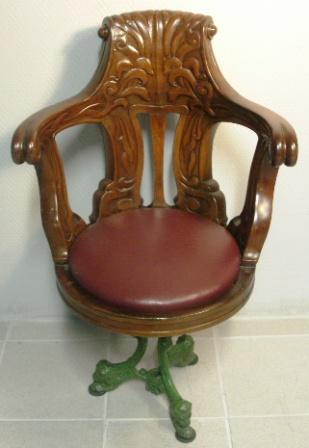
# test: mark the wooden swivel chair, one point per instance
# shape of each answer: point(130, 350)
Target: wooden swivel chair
point(156, 271)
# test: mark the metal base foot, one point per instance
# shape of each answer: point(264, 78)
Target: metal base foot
point(108, 376)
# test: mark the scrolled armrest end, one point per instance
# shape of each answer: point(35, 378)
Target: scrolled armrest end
point(17, 147)
point(25, 146)
point(284, 148)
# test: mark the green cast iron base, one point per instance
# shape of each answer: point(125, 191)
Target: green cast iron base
point(108, 376)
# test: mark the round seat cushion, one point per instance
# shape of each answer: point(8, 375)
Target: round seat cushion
point(155, 261)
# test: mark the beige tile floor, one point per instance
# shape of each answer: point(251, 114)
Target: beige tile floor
point(250, 388)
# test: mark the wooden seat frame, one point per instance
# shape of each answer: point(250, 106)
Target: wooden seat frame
point(157, 62)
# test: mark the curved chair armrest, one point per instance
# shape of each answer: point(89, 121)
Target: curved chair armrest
point(277, 144)
point(232, 107)
point(34, 142)
point(29, 137)
point(85, 107)
point(279, 132)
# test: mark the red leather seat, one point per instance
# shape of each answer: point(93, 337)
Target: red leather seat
point(155, 261)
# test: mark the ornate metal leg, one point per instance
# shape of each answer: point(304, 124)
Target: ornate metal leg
point(180, 409)
point(109, 376)
point(179, 355)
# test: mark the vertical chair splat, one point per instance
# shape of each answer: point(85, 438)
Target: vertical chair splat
point(158, 128)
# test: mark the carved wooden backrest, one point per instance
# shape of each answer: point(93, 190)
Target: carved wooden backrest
point(156, 62)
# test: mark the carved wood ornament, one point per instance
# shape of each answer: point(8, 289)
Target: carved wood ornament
point(157, 62)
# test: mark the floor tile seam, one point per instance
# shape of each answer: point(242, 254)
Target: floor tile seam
point(45, 340)
point(222, 391)
point(106, 339)
point(265, 416)
point(265, 336)
point(67, 419)
point(151, 419)
point(105, 411)
point(104, 435)
point(159, 419)
point(4, 342)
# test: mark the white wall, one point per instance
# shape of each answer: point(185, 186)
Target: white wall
point(49, 50)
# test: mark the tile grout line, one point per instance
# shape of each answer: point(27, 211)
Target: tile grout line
point(85, 419)
point(33, 341)
point(237, 417)
point(106, 339)
point(105, 420)
point(230, 417)
point(219, 334)
point(221, 385)
point(5, 340)
point(152, 419)
point(265, 336)
point(104, 439)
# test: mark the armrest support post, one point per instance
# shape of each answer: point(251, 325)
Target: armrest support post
point(251, 227)
point(60, 224)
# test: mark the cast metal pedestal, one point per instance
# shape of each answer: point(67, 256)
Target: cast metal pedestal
point(108, 376)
